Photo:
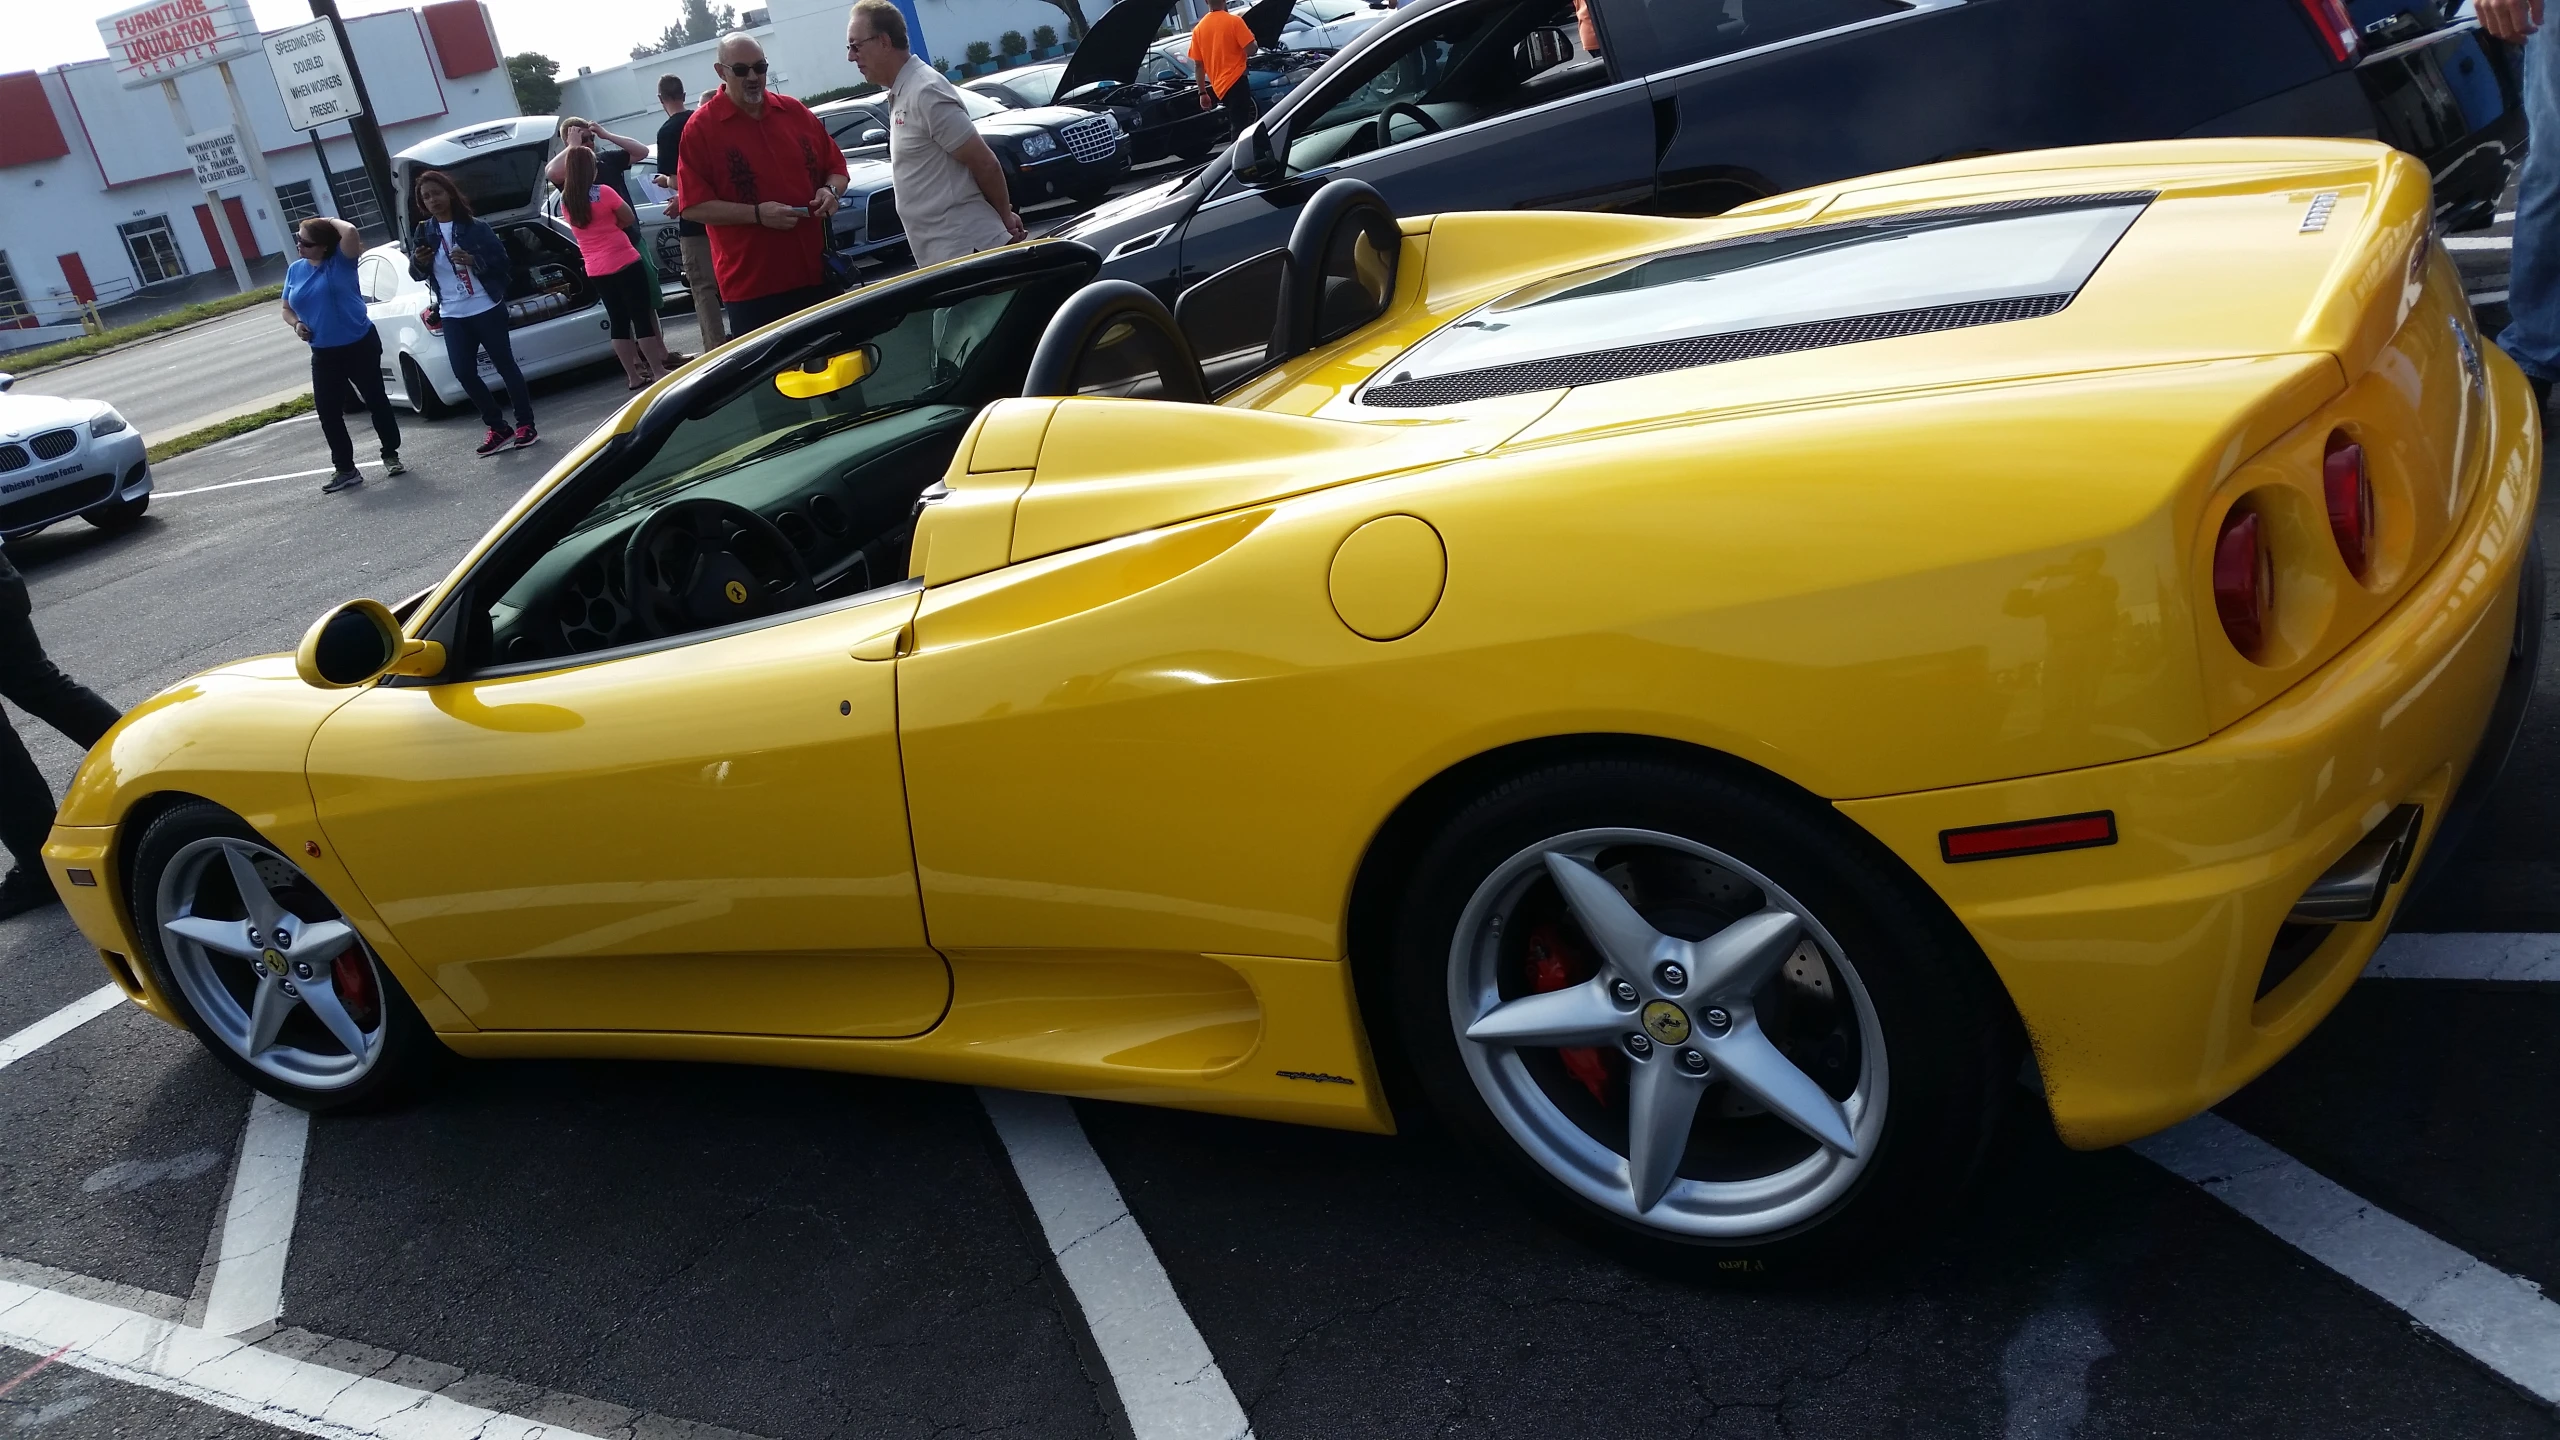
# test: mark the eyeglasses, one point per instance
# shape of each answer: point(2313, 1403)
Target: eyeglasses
point(853, 43)
point(311, 244)
point(743, 71)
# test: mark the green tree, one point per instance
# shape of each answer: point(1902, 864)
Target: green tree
point(536, 92)
point(1011, 43)
point(1044, 37)
point(699, 22)
point(979, 52)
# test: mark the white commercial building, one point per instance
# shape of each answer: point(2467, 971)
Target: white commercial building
point(99, 199)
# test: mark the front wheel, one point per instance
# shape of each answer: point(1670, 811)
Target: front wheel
point(265, 969)
point(1695, 1021)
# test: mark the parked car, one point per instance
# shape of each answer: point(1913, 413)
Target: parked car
point(555, 323)
point(1048, 153)
point(1121, 67)
point(60, 458)
point(1697, 108)
point(649, 212)
point(1315, 24)
point(2036, 608)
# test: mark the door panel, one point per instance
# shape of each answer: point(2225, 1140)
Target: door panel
point(711, 837)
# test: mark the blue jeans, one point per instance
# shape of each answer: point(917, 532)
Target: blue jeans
point(463, 340)
point(2532, 336)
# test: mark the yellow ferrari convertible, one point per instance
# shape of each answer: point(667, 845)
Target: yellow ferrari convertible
point(1690, 703)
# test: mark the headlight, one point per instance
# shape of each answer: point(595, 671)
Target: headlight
point(107, 424)
point(1037, 144)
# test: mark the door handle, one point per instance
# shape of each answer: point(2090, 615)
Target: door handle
point(887, 645)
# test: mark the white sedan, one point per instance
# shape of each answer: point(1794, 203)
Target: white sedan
point(60, 458)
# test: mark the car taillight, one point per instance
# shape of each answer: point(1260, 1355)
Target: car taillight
point(433, 318)
point(2243, 581)
point(2329, 17)
point(2350, 496)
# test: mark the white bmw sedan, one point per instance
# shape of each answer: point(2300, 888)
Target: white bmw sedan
point(60, 458)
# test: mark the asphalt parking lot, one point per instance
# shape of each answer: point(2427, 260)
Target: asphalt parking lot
point(2354, 1245)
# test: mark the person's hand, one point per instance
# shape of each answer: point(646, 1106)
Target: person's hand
point(774, 215)
point(1206, 99)
point(425, 253)
point(462, 259)
point(662, 182)
point(2510, 20)
point(823, 203)
point(1014, 229)
point(302, 330)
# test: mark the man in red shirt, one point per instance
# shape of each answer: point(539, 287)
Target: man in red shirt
point(762, 175)
point(1220, 44)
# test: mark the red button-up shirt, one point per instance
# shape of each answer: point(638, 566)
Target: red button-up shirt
point(784, 155)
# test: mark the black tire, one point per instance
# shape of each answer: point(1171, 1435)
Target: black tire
point(118, 515)
point(423, 400)
point(1948, 1036)
point(407, 1053)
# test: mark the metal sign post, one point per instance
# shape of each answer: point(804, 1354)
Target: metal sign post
point(377, 156)
point(213, 193)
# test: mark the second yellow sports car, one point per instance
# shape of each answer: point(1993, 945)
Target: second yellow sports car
point(1689, 699)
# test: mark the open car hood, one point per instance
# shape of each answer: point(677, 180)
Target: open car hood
point(1115, 45)
point(499, 166)
point(1265, 20)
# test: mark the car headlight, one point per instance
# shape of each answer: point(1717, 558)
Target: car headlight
point(1038, 144)
point(107, 424)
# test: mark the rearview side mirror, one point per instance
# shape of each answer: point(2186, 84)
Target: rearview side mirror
point(359, 643)
point(1257, 161)
point(872, 136)
point(6, 381)
point(1542, 49)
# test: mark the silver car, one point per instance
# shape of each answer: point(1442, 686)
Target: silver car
point(60, 458)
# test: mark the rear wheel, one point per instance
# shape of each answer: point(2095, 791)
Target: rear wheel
point(265, 969)
point(1693, 1020)
point(423, 401)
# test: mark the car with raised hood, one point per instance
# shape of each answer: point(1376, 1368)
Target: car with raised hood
point(1695, 106)
point(1689, 703)
point(1147, 83)
point(63, 457)
point(1048, 152)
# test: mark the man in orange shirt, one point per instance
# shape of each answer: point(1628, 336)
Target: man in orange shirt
point(1219, 45)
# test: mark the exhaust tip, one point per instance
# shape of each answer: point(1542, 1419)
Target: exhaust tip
point(2353, 889)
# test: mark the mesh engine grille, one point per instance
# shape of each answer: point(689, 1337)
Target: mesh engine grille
point(1533, 375)
point(1089, 140)
point(54, 444)
point(883, 220)
point(13, 457)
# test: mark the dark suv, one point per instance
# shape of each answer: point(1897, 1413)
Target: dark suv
point(1695, 106)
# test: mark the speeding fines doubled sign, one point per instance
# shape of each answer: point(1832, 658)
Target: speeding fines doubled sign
point(311, 75)
point(151, 43)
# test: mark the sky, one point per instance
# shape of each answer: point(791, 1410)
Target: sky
point(40, 34)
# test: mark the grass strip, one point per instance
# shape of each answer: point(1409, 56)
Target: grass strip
point(236, 425)
point(27, 362)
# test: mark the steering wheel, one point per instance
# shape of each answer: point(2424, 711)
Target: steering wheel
point(700, 563)
point(1422, 117)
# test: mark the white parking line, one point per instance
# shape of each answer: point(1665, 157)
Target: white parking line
point(61, 1022)
point(1170, 1385)
point(272, 1389)
point(2530, 957)
point(2489, 297)
point(257, 1228)
point(2495, 1318)
point(2479, 242)
point(260, 480)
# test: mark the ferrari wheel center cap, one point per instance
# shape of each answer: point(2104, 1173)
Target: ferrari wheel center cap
point(1667, 1023)
point(273, 961)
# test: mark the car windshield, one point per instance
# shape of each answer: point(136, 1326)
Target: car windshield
point(979, 106)
point(1955, 267)
point(1035, 85)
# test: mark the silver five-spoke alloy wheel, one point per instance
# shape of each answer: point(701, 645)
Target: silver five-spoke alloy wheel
point(1663, 1025)
point(295, 994)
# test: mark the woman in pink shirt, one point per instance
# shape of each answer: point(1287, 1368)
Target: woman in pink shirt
point(596, 216)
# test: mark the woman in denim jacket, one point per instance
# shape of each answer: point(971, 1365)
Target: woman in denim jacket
point(465, 264)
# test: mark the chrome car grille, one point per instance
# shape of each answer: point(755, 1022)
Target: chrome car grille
point(1090, 139)
point(13, 457)
point(54, 444)
point(882, 221)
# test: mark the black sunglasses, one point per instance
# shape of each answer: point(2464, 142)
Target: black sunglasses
point(743, 71)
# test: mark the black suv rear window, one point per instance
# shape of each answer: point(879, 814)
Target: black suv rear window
point(1799, 289)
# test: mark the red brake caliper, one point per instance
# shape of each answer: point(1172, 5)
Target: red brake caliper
point(1554, 963)
point(355, 986)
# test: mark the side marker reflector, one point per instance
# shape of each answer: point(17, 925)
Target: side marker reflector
point(2028, 837)
point(80, 877)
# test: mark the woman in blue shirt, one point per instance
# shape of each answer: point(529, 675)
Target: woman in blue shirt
point(324, 307)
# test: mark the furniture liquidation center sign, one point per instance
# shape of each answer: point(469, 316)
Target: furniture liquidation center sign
point(311, 75)
point(150, 43)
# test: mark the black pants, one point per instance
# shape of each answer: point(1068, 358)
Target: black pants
point(1238, 103)
point(333, 369)
point(763, 310)
point(32, 682)
point(625, 293)
point(464, 339)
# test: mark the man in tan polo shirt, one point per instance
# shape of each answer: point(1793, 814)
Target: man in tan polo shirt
point(951, 189)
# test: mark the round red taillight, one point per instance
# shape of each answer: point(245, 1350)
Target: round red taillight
point(2350, 495)
point(2243, 581)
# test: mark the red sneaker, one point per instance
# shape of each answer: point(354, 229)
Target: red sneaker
point(498, 440)
point(525, 436)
